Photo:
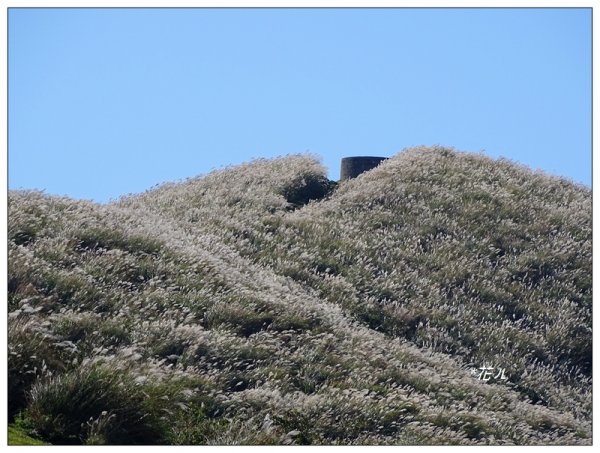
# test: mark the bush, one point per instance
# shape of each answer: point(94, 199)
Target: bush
point(31, 354)
point(96, 404)
point(306, 188)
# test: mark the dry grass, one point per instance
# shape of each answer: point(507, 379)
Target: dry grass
point(263, 305)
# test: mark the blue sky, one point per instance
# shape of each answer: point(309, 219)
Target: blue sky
point(106, 102)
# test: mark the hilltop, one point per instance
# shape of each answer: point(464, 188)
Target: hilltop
point(441, 298)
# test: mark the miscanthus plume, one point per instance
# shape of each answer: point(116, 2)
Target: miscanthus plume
point(441, 298)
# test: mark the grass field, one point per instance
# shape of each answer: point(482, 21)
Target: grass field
point(443, 298)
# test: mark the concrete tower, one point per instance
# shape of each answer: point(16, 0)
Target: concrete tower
point(354, 166)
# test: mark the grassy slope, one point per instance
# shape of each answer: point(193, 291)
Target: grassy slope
point(253, 319)
point(17, 436)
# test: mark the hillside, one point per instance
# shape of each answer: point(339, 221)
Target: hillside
point(264, 304)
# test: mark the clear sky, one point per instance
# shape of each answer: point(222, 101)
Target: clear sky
point(105, 102)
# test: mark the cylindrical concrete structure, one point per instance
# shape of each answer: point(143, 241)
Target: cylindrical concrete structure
point(354, 166)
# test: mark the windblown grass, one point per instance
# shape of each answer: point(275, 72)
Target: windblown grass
point(261, 304)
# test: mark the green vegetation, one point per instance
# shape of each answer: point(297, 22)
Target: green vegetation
point(263, 304)
point(17, 436)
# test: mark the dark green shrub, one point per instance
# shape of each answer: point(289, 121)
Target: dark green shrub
point(24, 236)
point(306, 188)
point(64, 408)
point(30, 355)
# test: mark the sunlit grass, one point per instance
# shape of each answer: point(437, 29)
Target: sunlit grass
point(264, 304)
